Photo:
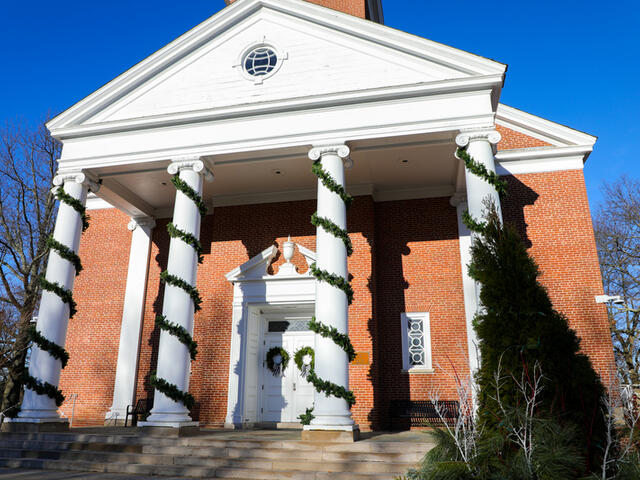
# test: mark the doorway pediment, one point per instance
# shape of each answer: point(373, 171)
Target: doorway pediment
point(256, 268)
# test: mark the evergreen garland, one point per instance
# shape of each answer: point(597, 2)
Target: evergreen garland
point(56, 351)
point(43, 388)
point(185, 188)
point(335, 280)
point(331, 389)
point(74, 203)
point(481, 171)
point(171, 391)
point(331, 184)
point(186, 237)
point(338, 338)
point(333, 229)
point(65, 252)
point(65, 295)
point(160, 384)
point(491, 178)
point(169, 279)
point(179, 332)
point(342, 340)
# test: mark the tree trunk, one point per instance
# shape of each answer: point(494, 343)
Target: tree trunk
point(12, 394)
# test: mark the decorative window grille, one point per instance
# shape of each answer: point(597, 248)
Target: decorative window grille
point(260, 61)
point(416, 341)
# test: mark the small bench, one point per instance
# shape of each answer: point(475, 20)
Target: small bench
point(142, 407)
point(422, 413)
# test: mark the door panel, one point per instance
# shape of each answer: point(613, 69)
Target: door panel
point(285, 397)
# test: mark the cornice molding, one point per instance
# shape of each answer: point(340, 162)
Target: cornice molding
point(540, 128)
point(382, 94)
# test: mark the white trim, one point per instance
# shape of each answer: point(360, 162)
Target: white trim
point(96, 203)
point(426, 332)
point(541, 159)
point(540, 128)
point(270, 108)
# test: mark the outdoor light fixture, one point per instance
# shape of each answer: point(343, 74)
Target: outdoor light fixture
point(613, 299)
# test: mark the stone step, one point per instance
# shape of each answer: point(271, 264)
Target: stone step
point(318, 454)
point(50, 445)
point(187, 471)
point(282, 463)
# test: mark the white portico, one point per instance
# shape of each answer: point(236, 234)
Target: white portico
point(209, 104)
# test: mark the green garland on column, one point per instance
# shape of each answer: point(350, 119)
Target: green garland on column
point(160, 384)
point(342, 340)
point(492, 178)
point(56, 351)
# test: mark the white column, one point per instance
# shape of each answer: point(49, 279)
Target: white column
point(53, 314)
point(331, 361)
point(124, 390)
point(174, 361)
point(480, 146)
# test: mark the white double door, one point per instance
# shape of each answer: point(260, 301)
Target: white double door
point(286, 396)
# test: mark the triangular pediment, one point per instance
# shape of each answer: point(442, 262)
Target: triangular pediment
point(322, 53)
point(257, 267)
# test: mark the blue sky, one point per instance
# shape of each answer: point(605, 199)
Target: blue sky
point(576, 63)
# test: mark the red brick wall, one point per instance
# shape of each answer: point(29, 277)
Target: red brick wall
point(512, 139)
point(93, 335)
point(418, 270)
point(352, 7)
point(552, 213)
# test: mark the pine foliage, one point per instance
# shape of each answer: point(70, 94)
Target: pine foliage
point(518, 327)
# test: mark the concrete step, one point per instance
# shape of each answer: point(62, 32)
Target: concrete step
point(281, 463)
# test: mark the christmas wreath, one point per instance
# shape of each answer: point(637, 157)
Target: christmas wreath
point(305, 360)
point(277, 361)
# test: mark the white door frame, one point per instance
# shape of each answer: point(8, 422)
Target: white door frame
point(255, 291)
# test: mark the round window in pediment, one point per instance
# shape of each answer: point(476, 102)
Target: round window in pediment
point(260, 61)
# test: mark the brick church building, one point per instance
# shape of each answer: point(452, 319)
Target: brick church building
point(240, 109)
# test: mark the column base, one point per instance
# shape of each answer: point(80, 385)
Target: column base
point(331, 433)
point(34, 425)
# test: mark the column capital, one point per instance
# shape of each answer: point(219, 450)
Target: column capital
point(488, 135)
point(339, 149)
point(195, 163)
point(142, 222)
point(80, 177)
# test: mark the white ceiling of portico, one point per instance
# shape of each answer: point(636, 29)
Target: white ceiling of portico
point(382, 170)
